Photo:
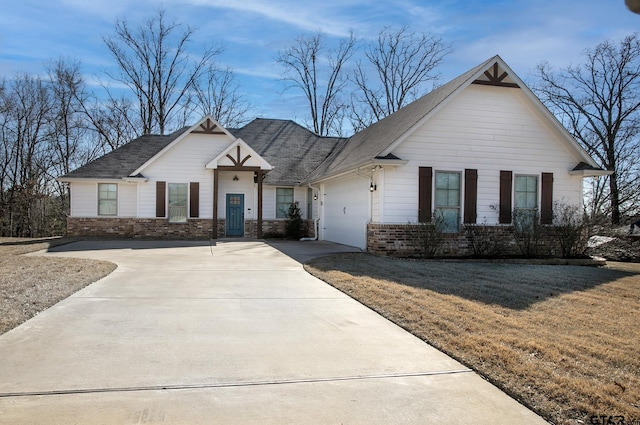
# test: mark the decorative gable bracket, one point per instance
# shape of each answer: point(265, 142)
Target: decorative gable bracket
point(496, 78)
point(238, 156)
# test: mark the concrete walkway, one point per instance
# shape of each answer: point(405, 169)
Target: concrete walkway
point(233, 333)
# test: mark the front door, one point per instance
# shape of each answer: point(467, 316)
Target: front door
point(235, 214)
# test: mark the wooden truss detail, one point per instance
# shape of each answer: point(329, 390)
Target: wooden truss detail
point(494, 79)
point(237, 161)
point(208, 127)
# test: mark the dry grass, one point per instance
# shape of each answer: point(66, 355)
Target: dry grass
point(563, 340)
point(29, 285)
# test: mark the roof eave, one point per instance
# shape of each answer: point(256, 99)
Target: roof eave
point(590, 173)
point(368, 164)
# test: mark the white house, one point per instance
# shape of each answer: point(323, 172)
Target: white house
point(479, 149)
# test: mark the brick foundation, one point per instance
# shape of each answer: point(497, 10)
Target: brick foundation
point(405, 240)
point(160, 228)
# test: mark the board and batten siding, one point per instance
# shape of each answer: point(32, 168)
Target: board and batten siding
point(487, 129)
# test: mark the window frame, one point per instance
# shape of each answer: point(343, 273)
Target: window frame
point(439, 208)
point(309, 204)
point(525, 217)
point(279, 204)
point(173, 217)
point(109, 200)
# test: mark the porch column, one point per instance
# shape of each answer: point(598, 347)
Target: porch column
point(260, 178)
point(215, 204)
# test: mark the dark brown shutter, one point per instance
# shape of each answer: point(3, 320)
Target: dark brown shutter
point(470, 196)
point(425, 178)
point(160, 199)
point(194, 199)
point(505, 196)
point(546, 200)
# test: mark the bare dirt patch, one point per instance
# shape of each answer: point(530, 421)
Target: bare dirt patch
point(31, 284)
point(563, 340)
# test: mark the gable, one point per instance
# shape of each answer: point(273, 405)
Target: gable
point(238, 155)
point(491, 127)
point(382, 139)
point(204, 139)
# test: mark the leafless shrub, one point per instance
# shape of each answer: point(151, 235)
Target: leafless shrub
point(527, 232)
point(430, 236)
point(483, 243)
point(571, 229)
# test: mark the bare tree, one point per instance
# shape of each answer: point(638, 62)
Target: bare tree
point(217, 94)
point(113, 122)
point(399, 64)
point(155, 64)
point(25, 106)
point(319, 72)
point(599, 103)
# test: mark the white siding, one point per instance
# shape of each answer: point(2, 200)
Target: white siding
point(346, 211)
point(185, 163)
point(226, 185)
point(84, 199)
point(127, 200)
point(269, 201)
point(488, 129)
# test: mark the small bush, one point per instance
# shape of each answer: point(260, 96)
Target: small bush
point(571, 229)
point(430, 236)
point(482, 242)
point(527, 232)
point(294, 226)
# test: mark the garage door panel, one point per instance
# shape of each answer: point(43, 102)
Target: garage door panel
point(346, 212)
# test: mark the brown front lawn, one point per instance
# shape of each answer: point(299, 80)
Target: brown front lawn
point(563, 340)
point(29, 285)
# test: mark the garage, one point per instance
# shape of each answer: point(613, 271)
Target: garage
point(346, 211)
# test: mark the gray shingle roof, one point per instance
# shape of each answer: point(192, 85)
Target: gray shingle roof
point(122, 162)
point(369, 144)
point(293, 150)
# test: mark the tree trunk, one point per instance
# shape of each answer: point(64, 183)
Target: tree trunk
point(615, 199)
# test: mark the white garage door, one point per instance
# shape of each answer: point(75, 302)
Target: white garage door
point(346, 212)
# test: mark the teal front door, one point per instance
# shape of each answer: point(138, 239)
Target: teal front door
point(235, 214)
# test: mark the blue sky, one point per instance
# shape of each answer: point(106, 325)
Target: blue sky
point(523, 32)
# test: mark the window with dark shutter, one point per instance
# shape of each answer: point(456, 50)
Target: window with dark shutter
point(546, 199)
point(161, 199)
point(425, 177)
point(470, 196)
point(505, 197)
point(194, 199)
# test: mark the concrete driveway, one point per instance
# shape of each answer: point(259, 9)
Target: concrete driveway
point(237, 332)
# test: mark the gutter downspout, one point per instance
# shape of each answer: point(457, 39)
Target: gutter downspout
point(315, 221)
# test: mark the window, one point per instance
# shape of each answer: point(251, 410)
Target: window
point(177, 202)
point(284, 198)
point(526, 201)
point(310, 204)
point(447, 205)
point(107, 199)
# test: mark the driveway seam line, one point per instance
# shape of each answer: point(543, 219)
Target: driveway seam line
point(228, 384)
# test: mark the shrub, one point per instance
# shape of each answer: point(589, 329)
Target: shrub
point(527, 232)
point(430, 236)
point(571, 229)
point(483, 243)
point(294, 226)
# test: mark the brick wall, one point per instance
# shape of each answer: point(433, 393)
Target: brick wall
point(405, 240)
point(160, 228)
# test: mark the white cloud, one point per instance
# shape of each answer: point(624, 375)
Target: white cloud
point(312, 17)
